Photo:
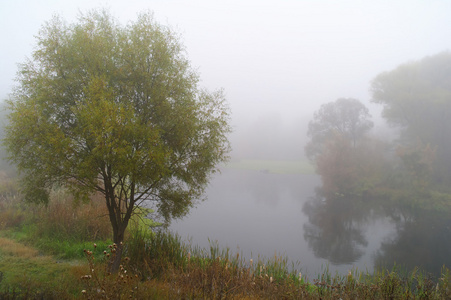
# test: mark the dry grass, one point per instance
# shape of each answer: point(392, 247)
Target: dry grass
point(181, 272)
point(11, 209)
point(63, 218)
point(12, 248)
point(176, 274)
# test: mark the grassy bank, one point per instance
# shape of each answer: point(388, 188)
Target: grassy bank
point(27, 273)
point(273, 166)
point(42, 257)
point(160, 266)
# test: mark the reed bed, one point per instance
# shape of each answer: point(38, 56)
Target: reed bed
point(216, 273)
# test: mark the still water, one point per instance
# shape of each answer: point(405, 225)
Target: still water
point(261, 214)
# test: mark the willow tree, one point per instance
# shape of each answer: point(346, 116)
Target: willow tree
point(103, 107)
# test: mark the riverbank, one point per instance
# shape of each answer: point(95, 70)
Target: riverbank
point(42, 257)
point(167, 269)
point(273, 166)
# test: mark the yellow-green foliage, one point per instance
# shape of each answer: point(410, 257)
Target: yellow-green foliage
point(105, 108)
point(141, 221)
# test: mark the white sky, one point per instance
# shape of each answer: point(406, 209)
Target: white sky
point(276, 58)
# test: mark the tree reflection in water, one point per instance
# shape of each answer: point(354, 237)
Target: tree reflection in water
point(335, 229)
point(338, 226)
point(423, 240)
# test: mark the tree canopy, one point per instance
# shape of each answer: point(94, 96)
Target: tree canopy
point(346, 117)
point(416, 97)
point(118, 110)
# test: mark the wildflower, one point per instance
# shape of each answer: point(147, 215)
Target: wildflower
point(95, 245)
point(251, 261)
point(300, 276)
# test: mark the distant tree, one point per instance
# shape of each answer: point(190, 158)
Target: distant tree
point(337, 165)
point(7, 169)
point(346, 117)
point(353, 171)
point(416, 97)
point(115, 109)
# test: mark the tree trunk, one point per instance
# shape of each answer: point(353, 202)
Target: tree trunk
point(119, 219)
point(118, 238)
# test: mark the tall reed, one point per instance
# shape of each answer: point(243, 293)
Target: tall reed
point(217, 273)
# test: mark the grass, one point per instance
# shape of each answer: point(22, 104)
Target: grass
point(49, 253)
point(12, 248)
point(25, 272)
point(216, 273)
point(59, 228)
point(273, 166)
point(169, 269)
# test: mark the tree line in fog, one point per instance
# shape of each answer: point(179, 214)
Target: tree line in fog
point(416, 164)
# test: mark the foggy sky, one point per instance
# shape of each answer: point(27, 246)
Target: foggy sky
point(278, 61)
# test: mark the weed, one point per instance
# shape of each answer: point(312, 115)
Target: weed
point(101, 284)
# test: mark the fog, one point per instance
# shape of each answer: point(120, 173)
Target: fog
point(278, 61)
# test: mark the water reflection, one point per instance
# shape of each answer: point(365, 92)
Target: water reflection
point(338, 230)
point(259, 214)
point(423, 239)
point(335, 230)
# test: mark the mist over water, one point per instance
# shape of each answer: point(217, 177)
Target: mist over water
point(278, 62)
point(259, 214)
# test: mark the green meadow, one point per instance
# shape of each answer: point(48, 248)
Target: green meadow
point(273, 166)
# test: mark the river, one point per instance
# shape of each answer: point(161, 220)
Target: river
point(260, 214)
